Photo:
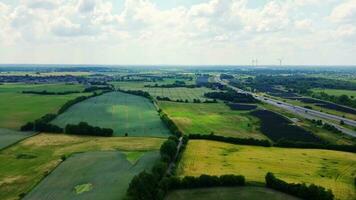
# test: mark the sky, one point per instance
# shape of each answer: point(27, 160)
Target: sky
point(180, 32)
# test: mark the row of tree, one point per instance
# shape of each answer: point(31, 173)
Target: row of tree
point(232, 140)
point(189, 182)
point(45, 92)
point(84, 128)
point(170, 124)
point(342, 99)
point(153, 185)
point(310, 145)
point(280, 143)
point(311, 192)
point(185, 101)
point(232, 96)
point(42, 125)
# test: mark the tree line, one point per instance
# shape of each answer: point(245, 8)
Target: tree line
point(342, 99)
point(152, 185)
point(232, 96)
point(311, 192)
point(232, 140)
point(281, 143)
point(186, 100)
point(84, 128)
point(45, 92)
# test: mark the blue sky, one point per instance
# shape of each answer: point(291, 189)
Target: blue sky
point(199, 32)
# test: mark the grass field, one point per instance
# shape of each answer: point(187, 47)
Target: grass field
point(229, 193)
point(105, 175)
point(172, 93)
point(331, 169)
point(28, 162)
point(9, 137)
point(59, 87)
point(218, 118)
point(336, 92)
point(17, 108)
point(124, 113)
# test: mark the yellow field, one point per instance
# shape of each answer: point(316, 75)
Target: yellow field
point(30, 160)
point(331, 169)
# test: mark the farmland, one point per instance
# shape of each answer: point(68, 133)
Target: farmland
point(18, 108)
point(8, 137)
point(172, 93)
point(230, 193)
point(330, 169)
point(106, 174)
point(32, 159)
point(124, 113)
point(207, 118)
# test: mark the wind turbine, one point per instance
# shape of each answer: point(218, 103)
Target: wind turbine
point(280, 61)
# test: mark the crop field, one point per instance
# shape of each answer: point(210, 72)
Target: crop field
point(229, 193)
point(29, 161)
point(173, 93)
point(105, 175)
point(8, 137)
point(336, 92)
point(124, 113)
point(334, 170)
point(17, 108)
point(215, 117)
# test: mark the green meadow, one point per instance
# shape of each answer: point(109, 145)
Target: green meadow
point(217, 118)
point(124, 113)
point(18, 108)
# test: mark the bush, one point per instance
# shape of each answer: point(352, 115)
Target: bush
point(311, 192)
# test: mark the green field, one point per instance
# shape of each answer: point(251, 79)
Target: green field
point(334, 170)
point(16, 108)
point(124, 113)
point(59, 87)
point(336, 92)
point(205, 118)
point(173, 93)
point(9, 137)
point(229, 193)
point(29, 161)
point(105, 175)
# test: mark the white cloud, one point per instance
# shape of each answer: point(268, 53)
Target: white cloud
point(345, 12)
point(215, 27)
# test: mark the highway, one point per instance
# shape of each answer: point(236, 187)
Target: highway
point(304, 112)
